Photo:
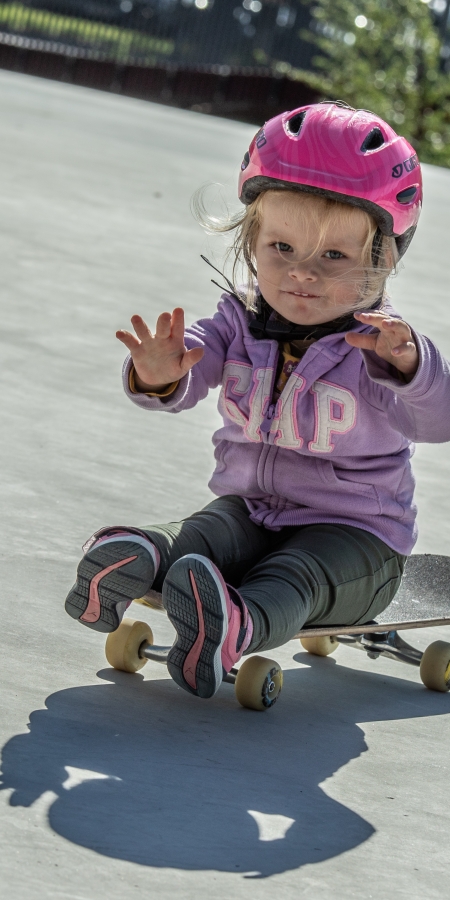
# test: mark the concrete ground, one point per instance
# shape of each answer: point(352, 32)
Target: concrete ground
point(123, 786)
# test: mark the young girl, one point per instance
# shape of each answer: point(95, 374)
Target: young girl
point(324, 388)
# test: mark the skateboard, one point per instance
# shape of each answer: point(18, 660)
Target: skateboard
point(422, 601)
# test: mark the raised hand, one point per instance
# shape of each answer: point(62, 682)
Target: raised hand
point(160, 358)
point(393, 341)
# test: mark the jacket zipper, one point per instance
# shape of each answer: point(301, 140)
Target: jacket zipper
point(266, 423)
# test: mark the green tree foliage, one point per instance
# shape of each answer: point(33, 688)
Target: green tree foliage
point(384, 55)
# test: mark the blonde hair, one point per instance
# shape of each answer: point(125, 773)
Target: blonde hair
point(371, 274)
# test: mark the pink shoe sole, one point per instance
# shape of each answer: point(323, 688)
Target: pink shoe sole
point(195, 597)
point(111, 574)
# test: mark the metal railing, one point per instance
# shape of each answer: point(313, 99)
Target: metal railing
point(224, 34)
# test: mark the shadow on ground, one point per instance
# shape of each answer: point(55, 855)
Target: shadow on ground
point(145, 773)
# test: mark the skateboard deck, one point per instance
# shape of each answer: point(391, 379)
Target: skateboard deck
point(423, 600)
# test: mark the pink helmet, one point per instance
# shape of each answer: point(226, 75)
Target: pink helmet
point(346, 154)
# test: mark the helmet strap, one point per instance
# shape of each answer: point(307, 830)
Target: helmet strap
point(267, 324)
point(377, 244)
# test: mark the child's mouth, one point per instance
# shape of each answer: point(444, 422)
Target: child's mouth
point(302, 294)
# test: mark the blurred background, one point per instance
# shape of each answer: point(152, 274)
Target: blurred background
point(248, 59)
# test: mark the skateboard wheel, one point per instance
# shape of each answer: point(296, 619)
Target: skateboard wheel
point(151, 599)
point(320, 646)
point(258, 683)
point(435, 666)
point(122, 646)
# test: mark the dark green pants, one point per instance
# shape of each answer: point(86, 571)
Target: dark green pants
point(314, 574)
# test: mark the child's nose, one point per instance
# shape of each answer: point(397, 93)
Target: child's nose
point(303, 271)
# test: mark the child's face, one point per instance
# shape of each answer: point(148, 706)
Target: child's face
point(307, 273)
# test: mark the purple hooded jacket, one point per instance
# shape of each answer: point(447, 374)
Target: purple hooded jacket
point(335, 447)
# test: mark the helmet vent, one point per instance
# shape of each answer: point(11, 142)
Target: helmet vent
point(245, 161)
point(294, 125)
point(407, 195)
point(373, 140)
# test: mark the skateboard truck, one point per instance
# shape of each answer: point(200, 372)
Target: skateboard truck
point(383, 643)
point(160, 655)
point(257, 682)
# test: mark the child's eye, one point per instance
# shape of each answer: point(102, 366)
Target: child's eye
point(334, 254)
point(282, 247)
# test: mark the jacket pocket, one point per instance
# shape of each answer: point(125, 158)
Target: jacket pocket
point(346, 483)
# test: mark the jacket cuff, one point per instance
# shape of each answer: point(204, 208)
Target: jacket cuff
point(132, 385)
point(168, 400)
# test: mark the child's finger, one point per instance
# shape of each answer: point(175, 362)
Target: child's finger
point(380, 320)
point(374, 314)
point(371, 318)
point(383, 322)
point(363, 341)
point(178, 324)
point(395, 325)
point(141, 328)
point(130, 341)
point(163, 326)
point(398, 335)
point(191, 357)
point(403, 349)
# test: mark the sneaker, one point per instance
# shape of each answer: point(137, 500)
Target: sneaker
point(212, 623)
point(117, 568)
